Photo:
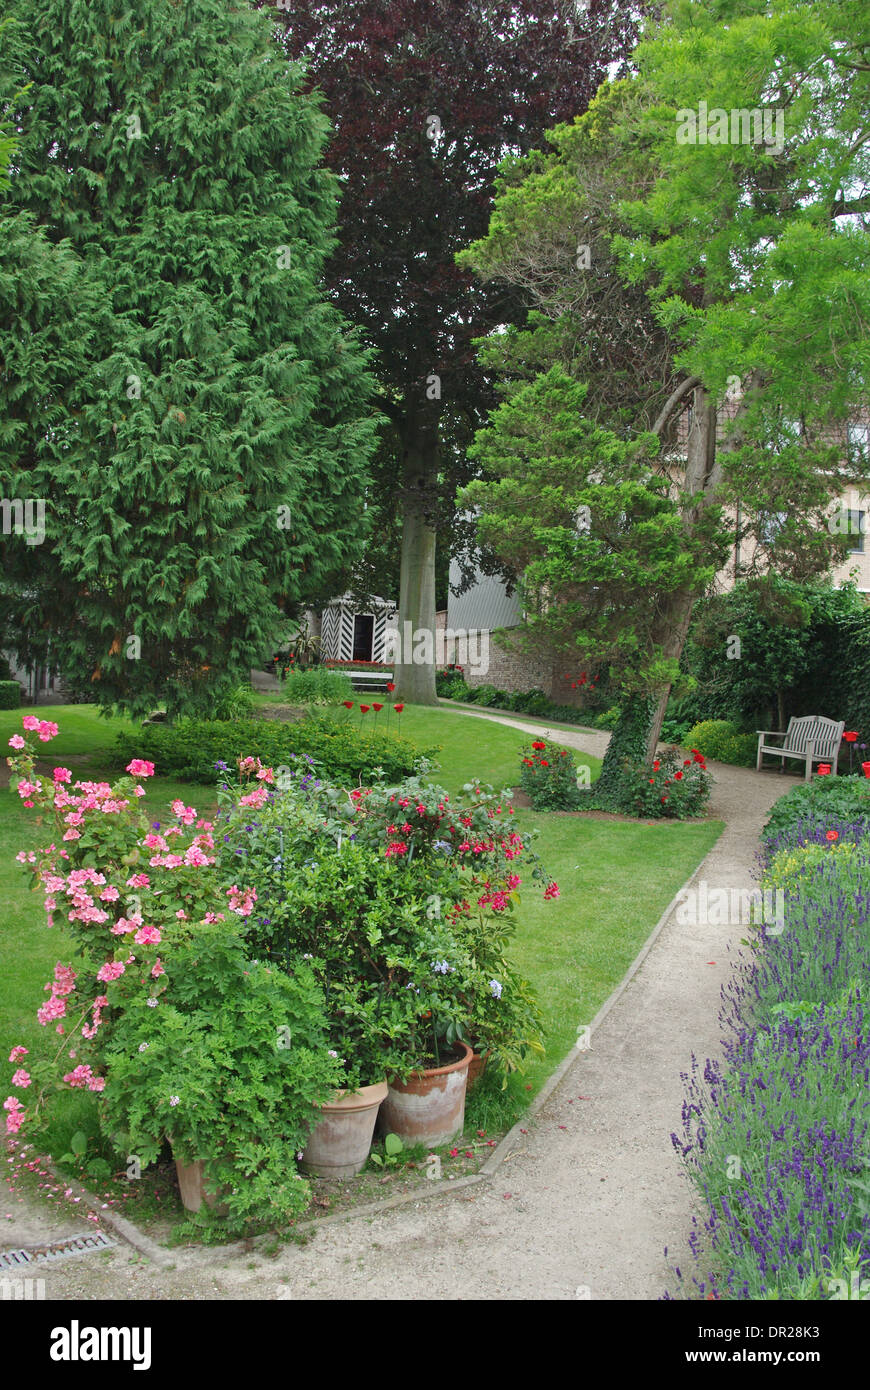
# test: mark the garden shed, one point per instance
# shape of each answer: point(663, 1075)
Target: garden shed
point(356, 630)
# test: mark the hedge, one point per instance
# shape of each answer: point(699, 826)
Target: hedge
point(10, 695)
point(189, 749)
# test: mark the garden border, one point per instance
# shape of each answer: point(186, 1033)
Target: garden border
point(173, 1255)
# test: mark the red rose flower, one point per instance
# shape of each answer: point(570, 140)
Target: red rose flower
point(678, 776)
point(832, 835)
point(377, 708)
point(656, 765)
point(539, 745)
point(398, 708)
point(391, 686)
point(544, 763)
point(348, 704)
point(364, 709)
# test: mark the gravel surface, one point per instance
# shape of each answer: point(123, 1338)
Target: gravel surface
point(583, 1207)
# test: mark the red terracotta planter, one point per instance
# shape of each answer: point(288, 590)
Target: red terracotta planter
point(428, 1108)
point(339, 1144)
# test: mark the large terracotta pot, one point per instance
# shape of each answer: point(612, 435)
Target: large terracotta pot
point(428, 1108)
point(339, 1144)
point(194, 1191)
point(476, 1067)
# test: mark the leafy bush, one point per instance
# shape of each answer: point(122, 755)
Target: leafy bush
point(813, 808)
point(549, 778)
point(318, 685)
point(674, 788)
point(236, 702)
point(608, 720)
point(191, 748)
point(10, 695)
point(376, 886)
point(231, 1065)
point(721, 740)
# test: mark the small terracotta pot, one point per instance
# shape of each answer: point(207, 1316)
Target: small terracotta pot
point(339, 1143)
point(194, 1191)
point(428, 1108)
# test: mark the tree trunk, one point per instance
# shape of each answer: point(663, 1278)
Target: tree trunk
point(415, 666)
point(628, 740)
point(702, 476)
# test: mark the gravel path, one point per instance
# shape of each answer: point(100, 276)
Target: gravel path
point(585, 1205)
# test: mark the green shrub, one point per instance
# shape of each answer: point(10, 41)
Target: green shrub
point(190, 749)
point(674, 788)
point(721, 739)
point(549, 778)
point(10, 695)
point(235, 702)
point(607, 720)
point(817, 804)
point(317, 686)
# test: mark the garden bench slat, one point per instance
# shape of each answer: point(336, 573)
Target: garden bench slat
point(811, 737)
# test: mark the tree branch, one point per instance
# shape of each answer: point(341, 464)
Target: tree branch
point(673, 399)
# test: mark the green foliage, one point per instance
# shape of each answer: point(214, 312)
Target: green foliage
point(235, 702)
point(204, 427)
point(190, 748)
point(591, 585)
point(317, 686)
point(722, 740)
point(549, 778)
point(672, 788)
point(10, 694)
point(627, 745)
point(803, 649)
point(404, 902)
point(231, 1065)
point(819, 804)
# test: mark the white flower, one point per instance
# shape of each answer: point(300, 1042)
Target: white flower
point(496, 989)
point(299, 1155)
point(173, 1100)
point(152, 1003)
point(143, 1047)
point(330, 1053)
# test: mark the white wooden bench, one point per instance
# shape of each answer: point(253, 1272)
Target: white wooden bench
point(811, 738)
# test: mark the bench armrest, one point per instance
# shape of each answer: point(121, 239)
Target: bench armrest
point(771, 733)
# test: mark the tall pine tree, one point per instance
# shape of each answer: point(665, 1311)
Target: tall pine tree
point(204, 476)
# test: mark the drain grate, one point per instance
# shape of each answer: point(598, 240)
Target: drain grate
point(60, 1250)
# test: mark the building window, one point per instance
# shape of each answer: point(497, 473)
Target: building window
point(859, 440)
point(856, 532)
point(770, 527)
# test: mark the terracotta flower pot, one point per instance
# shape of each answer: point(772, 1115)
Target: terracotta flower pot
point(194, 1191)
point(476, 1067)
point(339, 1144)
point(428, 1108)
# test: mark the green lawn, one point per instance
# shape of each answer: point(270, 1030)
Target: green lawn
point(615, 878)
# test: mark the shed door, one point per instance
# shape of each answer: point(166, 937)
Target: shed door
point(363, 632)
